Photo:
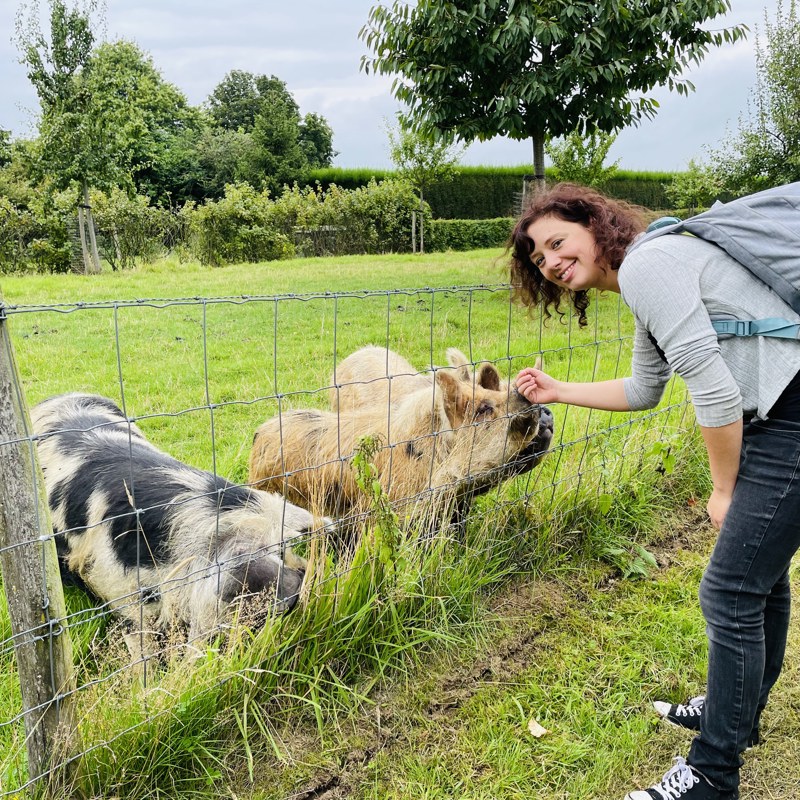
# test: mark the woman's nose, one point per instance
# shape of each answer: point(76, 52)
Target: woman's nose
point(551, 260)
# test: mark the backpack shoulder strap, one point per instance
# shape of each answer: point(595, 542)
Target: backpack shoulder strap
point(761, 231)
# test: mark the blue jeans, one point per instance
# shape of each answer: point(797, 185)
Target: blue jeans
point(745, 596)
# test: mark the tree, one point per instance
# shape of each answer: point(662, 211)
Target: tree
point(241, 97)
point(766, 149)
point(580, 159)
point(235, 103)
point(5, 147)
point(75, 146)
point(475, 70)
point(277, 155)
point(316, 140)
point(151, 116)
point(420, 160)
point(283, 145)
point(695, 188)
point(223, 157)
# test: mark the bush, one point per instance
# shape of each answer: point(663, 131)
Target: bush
point(236, 228)
point(696, 189)
point(129, 228)
point(470, 234)
point(579, 158)
point(378, 216)
point(37, 237)
point(16, 227)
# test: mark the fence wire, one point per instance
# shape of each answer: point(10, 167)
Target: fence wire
point(199, 376)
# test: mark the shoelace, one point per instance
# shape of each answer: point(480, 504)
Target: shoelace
point(692, 709)
point(679, 779)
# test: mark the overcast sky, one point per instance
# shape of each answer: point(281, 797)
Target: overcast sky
point(313, 46)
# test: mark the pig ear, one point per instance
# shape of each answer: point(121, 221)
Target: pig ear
point(455, 358)
point(489, 377)
point(451, 391)
point(538, 363)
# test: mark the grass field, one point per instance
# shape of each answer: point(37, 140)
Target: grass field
point(201, 357)
point(579, 651)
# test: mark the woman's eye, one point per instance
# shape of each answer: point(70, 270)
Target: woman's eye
point(537, 261)
point(557, 244)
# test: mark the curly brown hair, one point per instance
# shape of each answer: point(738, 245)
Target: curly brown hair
point(613, 223)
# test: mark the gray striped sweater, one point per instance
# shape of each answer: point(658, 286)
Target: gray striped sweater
point(675, 285)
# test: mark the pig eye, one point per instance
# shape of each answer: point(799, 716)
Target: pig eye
point(484, 410)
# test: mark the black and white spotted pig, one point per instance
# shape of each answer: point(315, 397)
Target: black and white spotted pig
point(165, 545)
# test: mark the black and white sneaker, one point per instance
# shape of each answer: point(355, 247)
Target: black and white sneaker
point(688, 715)
point(684, 716)
point(682, 782)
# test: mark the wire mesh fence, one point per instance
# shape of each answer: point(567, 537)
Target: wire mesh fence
point(230, 460)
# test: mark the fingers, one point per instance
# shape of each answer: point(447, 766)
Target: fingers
point(527, 385)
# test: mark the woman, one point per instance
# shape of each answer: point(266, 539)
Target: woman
point(746, 394)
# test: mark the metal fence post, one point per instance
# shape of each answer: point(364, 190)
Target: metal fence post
point(31, 581)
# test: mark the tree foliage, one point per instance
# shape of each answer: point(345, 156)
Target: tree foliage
point(222, 157)
point(5, 147)
point(695, 189)
point(71, 147)
point(475, 70)
point(765, 151)
point(76, 147)
point(283, 146)
point(277, 158)
point(241, 97)
point(581, 159)
point(151, 117)
point(316, 140)
point(421, 160)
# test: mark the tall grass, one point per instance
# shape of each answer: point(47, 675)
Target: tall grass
point(248, 341)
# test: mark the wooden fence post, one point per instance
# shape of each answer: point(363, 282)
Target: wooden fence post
point(31, 581)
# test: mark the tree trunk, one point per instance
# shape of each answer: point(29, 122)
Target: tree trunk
point(538, 163)
point(95, 256)
point(32, 585)
point(82, 234)
point(421, 225)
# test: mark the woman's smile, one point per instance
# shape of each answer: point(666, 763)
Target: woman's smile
point(566, 274)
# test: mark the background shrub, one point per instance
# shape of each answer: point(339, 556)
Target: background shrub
point(130, 229)
point(237, 228)
point(470, 234)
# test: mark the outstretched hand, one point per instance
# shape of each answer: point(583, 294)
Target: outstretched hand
point(537, 386)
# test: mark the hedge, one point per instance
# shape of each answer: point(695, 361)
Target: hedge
point(488, 192)
point(469, 234)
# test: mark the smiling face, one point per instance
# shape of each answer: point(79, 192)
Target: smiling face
point(566, 255)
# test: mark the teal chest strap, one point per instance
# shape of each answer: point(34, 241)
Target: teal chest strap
point(775, 326)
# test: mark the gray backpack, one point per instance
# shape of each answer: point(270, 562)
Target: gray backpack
point(762, 232)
